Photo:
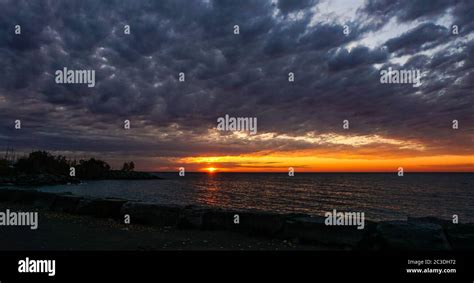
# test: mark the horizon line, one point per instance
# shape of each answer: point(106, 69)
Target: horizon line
point(313, 172)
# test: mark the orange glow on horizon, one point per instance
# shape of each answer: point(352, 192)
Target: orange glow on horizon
point(329, 153)
point(210, 169)
point(280, 162)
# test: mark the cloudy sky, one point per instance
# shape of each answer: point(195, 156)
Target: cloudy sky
point(173, 123)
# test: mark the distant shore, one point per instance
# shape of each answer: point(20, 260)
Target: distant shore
point(41, 168)
point(272, 231)
point(33, 180)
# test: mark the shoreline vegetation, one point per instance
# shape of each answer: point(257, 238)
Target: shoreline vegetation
point(41, 168)
point(270, 230)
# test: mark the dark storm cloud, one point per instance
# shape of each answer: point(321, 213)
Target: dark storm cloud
point(240, 75)
point(407, 10)
point(420, 38)
point(361, 55)
point(288, 6)
point(381, 11)
point(463, 16)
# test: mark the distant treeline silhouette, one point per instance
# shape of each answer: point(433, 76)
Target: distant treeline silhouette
point(43, 162)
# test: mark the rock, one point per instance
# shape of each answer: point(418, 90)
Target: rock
point(191, 218)
point(314, 230)
point(66, 203)
point(217, 219)
point(45, 179)
point(7, 181)
point(28, 197)
point(28, 180)
point(259, 223)
point(429, 219)
point(6, 194)
point(151, 214)
point(423, 233)
point(402, 235)
point(107, 208)
point(45, 201)
point(461, 236)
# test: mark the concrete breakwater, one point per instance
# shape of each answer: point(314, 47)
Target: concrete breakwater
point(427, 233)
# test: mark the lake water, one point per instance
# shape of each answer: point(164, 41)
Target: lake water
point(380, 196)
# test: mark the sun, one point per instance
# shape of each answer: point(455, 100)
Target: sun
point(211, 169)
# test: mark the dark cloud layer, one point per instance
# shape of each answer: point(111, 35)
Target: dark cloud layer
point(424, 36)
point(240, 75)
point(406, 10)
point(288, 6)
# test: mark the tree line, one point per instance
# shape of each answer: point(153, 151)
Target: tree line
point(43, 162)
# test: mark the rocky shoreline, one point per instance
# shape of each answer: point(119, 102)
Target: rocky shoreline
point(427, 233)
point(31, 180)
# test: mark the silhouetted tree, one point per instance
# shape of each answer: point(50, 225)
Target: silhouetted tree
point(128, 166)
point(125, 167)
point(6, 168)
point(92, 168)
point(43, 162)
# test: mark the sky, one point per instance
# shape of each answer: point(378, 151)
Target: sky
point(300, 124)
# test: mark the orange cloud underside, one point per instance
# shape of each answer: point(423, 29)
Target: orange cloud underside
point(304, 163)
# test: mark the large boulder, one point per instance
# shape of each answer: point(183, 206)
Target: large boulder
point(41, 180)
point(259, 223)
point(28, 197)
point(254, 223)
point(309, 229)
point(429, 219)
point(107, 208)
point(218, 219)
point(461, 236)
point(151, 214)
point(66, 203)
point(6, 194)
point(191, 217)
point(7, 180)
point(404, 235)
point(35, 180)
point(44, 200)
